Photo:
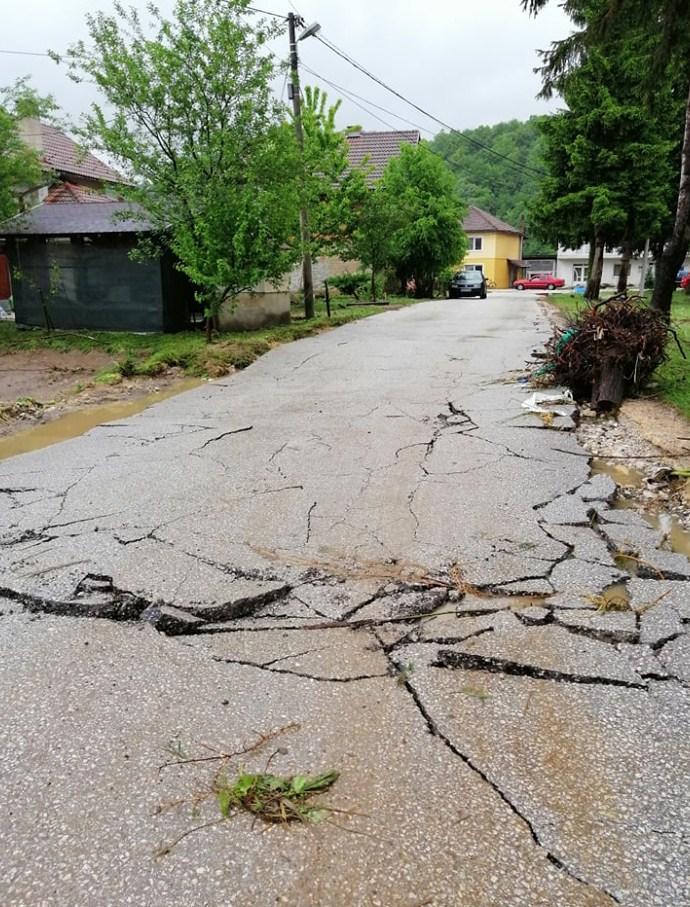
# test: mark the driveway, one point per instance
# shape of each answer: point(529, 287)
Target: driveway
point(363, 542)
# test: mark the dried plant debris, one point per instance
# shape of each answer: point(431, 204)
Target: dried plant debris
point(272, 798)
point(608, 350)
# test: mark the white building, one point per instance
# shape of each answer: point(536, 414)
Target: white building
point(573, 266)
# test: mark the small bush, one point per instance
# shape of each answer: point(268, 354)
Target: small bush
point(356, 284)
point(126, 367)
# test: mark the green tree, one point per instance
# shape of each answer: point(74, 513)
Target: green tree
point(371, 221)
point(662, 29)
point(426, 216)
point(201, 137)
point(334, 192)
point(20, 166)
point(607, 162)
point(489, 180)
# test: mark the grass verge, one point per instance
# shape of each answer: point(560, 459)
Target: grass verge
point(153, 354)
point(673, 378)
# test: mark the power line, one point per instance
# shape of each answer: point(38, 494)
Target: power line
point(497, 178)
point(348, 59)
point(24, 53)
point(351, 95)
point(265, 12)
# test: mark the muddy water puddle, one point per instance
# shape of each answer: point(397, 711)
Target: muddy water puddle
point(677, 537)
point(77, 423)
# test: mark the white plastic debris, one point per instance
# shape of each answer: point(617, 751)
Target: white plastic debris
point(546, 403)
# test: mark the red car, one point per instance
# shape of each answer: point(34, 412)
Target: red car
point(539, 282)
point(685, 282)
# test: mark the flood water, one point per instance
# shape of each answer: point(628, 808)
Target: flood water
point(76, 423)
point(678, 538)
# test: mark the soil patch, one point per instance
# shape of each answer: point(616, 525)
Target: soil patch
point(41, 386)
point(47, 375)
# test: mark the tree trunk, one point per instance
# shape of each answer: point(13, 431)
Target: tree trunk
point(373, 285)
point(608, 392)
point(676, 247)
point(625, 268)
point(594, 282)
point(209, 328)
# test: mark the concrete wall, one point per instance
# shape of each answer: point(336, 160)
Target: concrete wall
point(268, 304)
point(322, 269)
point(264, 307)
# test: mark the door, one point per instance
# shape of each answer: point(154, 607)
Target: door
point(5, 282)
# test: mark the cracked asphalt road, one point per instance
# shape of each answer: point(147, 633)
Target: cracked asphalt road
point(363, 534)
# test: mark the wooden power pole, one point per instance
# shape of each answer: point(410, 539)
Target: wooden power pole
point(305, 232)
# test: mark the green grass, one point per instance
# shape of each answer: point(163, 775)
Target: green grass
point(673, 378)
point(153, 354)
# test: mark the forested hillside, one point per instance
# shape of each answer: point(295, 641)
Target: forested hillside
point(490, 182)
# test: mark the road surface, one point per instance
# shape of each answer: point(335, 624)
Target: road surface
point(365, 540)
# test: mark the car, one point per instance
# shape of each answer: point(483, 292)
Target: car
point(539, 282)
point(685, 282)
point(680, 277)
point(467, 283)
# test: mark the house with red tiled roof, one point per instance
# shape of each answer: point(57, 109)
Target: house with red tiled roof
point(71, 175)
point(65, 163)
point(374, 150)
point(494, 247)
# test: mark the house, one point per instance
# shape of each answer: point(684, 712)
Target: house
point(373, 150)
point(69, 174)
point(63, 162)
point(73, 270)
point(494, 247)
point(573, 266)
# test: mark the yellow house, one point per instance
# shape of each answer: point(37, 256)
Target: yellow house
point(494, 247)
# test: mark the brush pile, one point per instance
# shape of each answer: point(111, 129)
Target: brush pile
point(608, 350)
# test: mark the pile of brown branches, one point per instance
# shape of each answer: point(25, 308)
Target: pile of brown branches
point(608, 350)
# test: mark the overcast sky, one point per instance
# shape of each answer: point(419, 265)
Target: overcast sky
point(467, 61)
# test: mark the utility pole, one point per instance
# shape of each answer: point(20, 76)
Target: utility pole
point(305, 232)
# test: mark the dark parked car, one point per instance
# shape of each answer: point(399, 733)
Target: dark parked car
point(467, 283)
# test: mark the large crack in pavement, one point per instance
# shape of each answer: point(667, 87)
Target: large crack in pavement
point(450, 542)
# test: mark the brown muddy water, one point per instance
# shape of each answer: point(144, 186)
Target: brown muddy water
point(77, 423)
point(678, 538)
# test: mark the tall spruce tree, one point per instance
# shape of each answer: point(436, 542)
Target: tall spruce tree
point(609, 164)
point(661, 29)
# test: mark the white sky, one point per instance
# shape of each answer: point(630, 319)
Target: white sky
point(468, 61)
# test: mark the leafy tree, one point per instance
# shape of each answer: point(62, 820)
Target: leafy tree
point(491, 182)
point(426, 214)
point(198, 132)
point(334, 192)
point(372, 219)
point(663, 57)
point(20, 166)
point(608, 165)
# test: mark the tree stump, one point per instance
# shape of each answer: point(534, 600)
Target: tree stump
point(607, 393)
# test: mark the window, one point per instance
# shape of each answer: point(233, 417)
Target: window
point(476, 243)
point(474, 267)
point(617, 268)
point(580, 273)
